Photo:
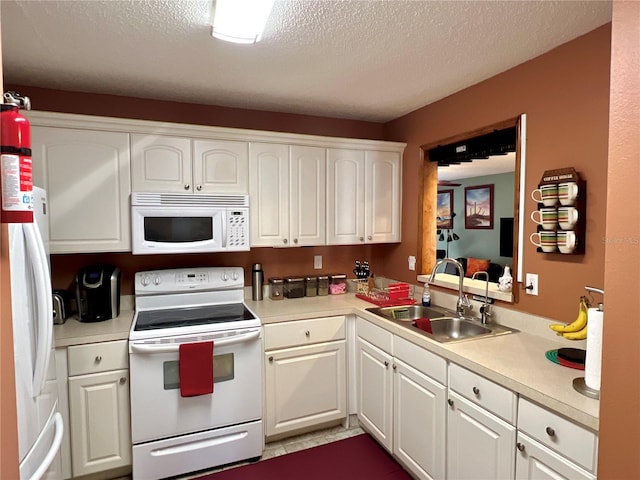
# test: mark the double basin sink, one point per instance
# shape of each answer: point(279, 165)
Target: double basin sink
point(442, 325)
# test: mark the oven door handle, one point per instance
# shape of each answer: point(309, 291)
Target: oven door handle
point(174, 347)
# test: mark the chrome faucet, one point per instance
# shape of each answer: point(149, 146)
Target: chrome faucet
point(485, 309)
point(464, 305)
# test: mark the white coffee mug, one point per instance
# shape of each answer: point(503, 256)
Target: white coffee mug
point(567, 241)
point(545, 239)
point(547, 217)
point(567, 193)
point(546, 194)
point(567, 217)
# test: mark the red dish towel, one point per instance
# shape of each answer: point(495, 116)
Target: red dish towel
point(423, 324)
point(195, 363)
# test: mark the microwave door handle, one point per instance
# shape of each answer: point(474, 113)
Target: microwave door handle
point(224, 222)
point(174, 347)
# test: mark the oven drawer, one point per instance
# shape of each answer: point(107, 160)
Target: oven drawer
point(98, 357)
point(304, 332)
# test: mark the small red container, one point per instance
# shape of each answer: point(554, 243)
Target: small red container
point(398, 291)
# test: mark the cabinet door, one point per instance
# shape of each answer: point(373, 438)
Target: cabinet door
point(536, 462)
point(419, 419)
point(375, 392)
point(308, 193)
point(87, 179)
point(100, 425)
point(160, 164)
point(305, 386)
point(269, 194)
point(220, 166)
point(345, 196)
point(382, 184)
point(479, 444)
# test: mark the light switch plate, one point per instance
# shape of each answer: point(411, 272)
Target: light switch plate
point(317, 262)
point(531, 284)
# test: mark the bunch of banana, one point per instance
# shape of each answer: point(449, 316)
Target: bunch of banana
point(577, 330)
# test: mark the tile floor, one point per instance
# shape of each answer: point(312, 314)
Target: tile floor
point(294, 444)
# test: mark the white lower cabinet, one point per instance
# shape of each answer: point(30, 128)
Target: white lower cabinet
point(479, 444)
point(481, 435)
point(375, 392)
point(99, 407)
point(305, 374)
point(402, 399)
point(536, 462)
point(552, 447)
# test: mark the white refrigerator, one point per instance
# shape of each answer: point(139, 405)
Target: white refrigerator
point(40, 424)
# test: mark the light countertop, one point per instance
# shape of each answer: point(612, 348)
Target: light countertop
point(517, 361)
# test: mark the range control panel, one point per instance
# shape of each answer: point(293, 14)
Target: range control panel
point(178, 280)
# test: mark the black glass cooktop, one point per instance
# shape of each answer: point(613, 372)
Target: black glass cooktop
point(189, 316)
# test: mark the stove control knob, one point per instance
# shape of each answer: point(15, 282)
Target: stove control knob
point(157, 280)
point(225, 276)
point(234, 275)
point(145, 280)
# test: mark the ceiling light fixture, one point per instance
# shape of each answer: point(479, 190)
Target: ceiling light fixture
point(240, 21)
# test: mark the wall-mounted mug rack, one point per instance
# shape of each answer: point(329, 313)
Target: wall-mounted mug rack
point(562, 212)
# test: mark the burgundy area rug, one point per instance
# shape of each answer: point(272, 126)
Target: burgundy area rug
point(358, 457)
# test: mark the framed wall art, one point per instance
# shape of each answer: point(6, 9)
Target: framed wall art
point(478, 207)
point(445, 209)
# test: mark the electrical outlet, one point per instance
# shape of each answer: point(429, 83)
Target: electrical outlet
point(317, 262)
point(412, 262)
point(531, 284)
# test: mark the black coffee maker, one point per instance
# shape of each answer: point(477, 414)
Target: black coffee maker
point(98, 293)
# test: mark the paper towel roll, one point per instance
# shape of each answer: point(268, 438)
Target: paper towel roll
point(593, 361)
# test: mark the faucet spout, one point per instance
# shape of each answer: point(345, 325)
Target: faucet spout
point(463, 302)
point(485, 310)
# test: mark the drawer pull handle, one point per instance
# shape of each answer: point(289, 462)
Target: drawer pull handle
point(386, 364)
point(307, 333)
point(123, 380)
point(271, 359)
point(199, 188)
point(450, 402)
point(98, 358)
point(520, 446)
point(550, 431)
point(476, 390)
point(187, 186)
point(395, 367)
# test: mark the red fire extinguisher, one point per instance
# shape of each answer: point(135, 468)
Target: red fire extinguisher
point(16, 172)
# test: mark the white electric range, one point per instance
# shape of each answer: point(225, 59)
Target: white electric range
point(174, 434)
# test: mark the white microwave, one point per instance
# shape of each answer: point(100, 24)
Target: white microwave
point(188, 223)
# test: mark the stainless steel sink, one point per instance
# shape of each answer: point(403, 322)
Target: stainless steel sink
point(446, 325)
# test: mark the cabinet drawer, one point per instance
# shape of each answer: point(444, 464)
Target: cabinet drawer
point(495, 398)
point(98, 357)
point(571, 440)
point(303, 332)
point(420, 359)
point(374, 335)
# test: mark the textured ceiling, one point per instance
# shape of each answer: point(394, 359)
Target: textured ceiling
point(369, 60)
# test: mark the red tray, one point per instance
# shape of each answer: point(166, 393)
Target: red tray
point(386, 303)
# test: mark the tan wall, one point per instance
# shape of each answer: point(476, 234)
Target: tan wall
point(8, 425)
point(565, 94)
point(620, 390)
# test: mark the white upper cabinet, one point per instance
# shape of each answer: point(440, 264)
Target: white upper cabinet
point(269, 197)
point(307, 195)
point(287, 185)
point(364, 196)
point(87, 178)
point(161, 163)
point(221, 166)
point(383, 197)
